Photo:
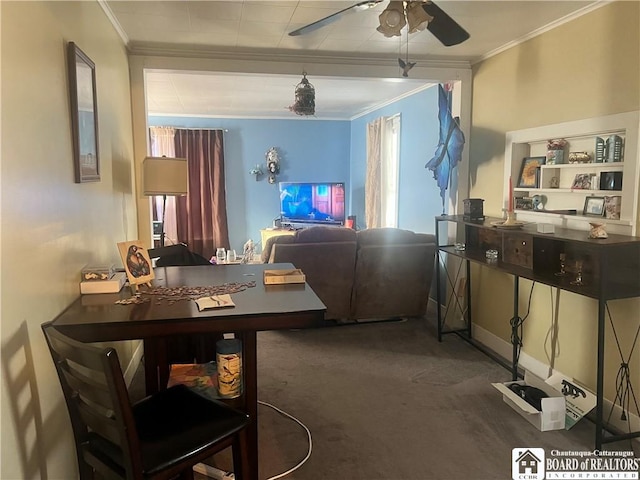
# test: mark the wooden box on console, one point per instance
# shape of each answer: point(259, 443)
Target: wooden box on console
point(482, 239)
point(517, 249)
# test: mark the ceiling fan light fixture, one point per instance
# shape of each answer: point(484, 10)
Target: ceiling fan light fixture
point(305, 103)
point(392, 19)
point(417, 18)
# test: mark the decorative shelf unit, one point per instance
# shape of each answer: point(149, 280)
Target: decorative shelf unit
point(609, 271)
point(581, 136)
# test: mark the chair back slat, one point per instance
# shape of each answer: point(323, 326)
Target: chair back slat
point(99, 423)
point(97, 401)
point(89, 387)
point(80, 353)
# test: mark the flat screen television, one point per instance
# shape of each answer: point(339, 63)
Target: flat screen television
point(312, 202)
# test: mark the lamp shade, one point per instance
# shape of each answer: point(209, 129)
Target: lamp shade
point(392, 19)
point(164, 176)
point(416, 16)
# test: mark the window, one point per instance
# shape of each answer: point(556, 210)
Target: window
point(390, 153)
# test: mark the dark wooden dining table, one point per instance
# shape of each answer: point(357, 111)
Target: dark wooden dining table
point(98, 318)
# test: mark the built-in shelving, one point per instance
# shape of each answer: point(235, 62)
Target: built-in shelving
point(581, 136)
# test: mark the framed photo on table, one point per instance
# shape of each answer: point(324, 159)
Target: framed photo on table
point(593, 207)
point(84, 115)
point(136, 262)
point(530, 172)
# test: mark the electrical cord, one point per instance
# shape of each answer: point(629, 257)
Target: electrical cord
point(216, 473)
point(301, 462)
point(553, 333)
point(516, 326)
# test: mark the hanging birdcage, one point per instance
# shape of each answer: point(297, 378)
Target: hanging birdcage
point(305, 103)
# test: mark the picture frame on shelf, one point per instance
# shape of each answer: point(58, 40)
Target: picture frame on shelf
point(612, 207)
point(593, 207)
point(530, 172)
point(84, 115)
point(583, 181)
point(524, 203)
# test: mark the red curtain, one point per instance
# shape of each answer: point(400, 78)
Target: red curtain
point(202, 214)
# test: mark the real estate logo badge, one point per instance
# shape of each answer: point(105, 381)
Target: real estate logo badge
point(527, 464)
point(531, 464)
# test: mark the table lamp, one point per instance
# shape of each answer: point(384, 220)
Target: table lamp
point(164, 176)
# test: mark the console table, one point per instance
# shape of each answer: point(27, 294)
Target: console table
point(609, 269)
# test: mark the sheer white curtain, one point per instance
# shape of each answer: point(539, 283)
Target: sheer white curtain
point(383, 158)
point(372, 189)
point(163, 144)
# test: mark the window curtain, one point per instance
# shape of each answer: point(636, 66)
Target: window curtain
point(381, 184)
point(390, 158)
point(162, 141)
point(372, 187)
point(202, 213)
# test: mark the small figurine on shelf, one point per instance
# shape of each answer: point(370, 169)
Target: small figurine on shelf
point(598, 230)
point(248, 251)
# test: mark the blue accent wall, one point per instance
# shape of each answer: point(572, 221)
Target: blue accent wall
point(310, 150)
point(323, 151)
point(419, 199)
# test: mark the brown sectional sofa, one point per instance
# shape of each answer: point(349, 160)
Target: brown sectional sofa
point(370, 274)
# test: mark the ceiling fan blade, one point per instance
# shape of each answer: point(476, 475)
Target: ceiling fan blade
point(333, 17)
point(443, 27)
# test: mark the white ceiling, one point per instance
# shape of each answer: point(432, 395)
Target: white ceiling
point(261, 28)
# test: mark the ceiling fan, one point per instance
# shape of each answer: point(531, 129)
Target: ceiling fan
point(416, 14)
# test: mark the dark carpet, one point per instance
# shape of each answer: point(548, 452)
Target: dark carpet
point(386, 401)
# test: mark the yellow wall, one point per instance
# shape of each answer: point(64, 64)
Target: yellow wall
point(586, 68)
point(51, 226)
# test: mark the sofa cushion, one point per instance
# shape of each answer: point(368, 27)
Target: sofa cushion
point(392, 280)
point(392, 236)
point(329, 268)
point(325, 234)
point(393, 273)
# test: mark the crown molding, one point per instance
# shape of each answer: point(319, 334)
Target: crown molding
point(114, 21)
point(550, 26)
point(392, 100)
point(137, 49)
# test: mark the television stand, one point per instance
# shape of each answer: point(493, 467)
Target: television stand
point(267, 233)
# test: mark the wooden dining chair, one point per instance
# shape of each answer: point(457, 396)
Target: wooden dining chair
point(160, 437)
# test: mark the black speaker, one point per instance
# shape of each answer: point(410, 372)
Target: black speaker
point(611, 181)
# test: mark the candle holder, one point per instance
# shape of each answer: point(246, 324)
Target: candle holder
point(511, 219)
point(578, 280)
point(562, 272)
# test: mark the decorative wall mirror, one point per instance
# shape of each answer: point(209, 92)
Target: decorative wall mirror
point(84, 115)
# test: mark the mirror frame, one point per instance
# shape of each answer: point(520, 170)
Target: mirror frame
point(84, 128)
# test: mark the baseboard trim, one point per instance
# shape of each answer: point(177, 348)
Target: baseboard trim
point(542, 370)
